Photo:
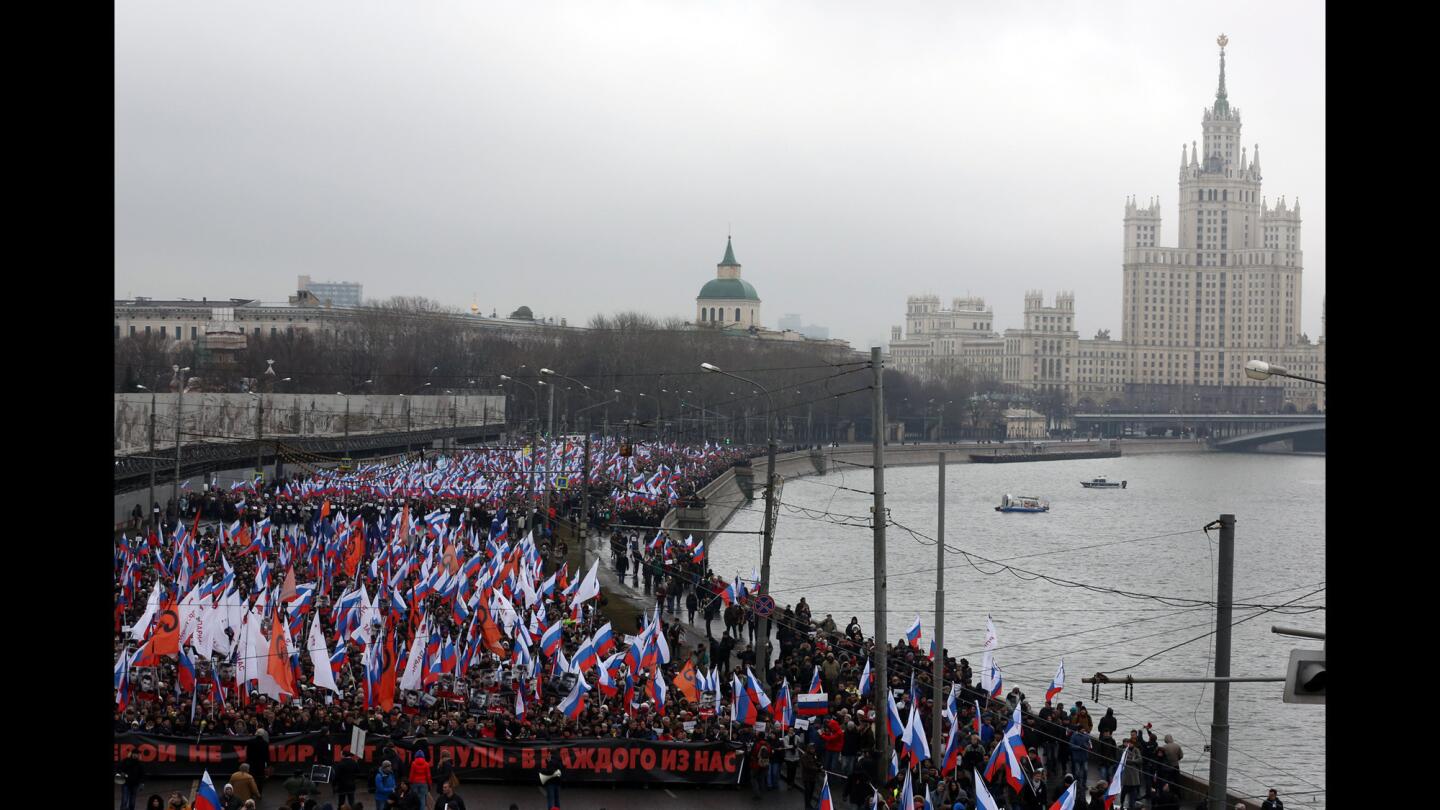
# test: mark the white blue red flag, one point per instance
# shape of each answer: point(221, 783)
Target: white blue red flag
point(912, 633)
point(205, 796)
point(1057, 684)
point(826, 803)
point(983, 799)
point(1067, 799)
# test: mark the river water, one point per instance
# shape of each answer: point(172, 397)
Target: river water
point(1279, 505)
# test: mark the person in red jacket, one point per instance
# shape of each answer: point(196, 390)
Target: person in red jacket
point(420, 777)
point(834, 738)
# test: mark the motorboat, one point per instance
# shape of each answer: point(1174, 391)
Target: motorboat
point(1022, 503)
point(1103, 483)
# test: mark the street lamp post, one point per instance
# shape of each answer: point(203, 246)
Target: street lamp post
point(585, 476)
point(179, 411)
point(534, 442)
point(769, 502)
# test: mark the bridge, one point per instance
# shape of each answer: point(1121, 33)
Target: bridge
point(1302, 438)
point(1227, 431)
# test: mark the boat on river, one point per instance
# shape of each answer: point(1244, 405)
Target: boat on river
point(1022, 503)
point(1103, 483)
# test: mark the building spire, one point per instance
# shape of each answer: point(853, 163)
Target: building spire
point(729, 260)
point(1222, 105)
point(1182, 156)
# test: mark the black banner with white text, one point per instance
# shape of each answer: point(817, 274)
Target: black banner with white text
point(593, 761)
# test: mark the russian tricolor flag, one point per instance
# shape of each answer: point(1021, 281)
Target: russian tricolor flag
point(574, 703)
point(866, 679)
point(912, 633)
point(550, 639)
point(812, 704)
point(892, 712)
point(825, 801)
point(815, 680)
point(205, 796)
point(1057, 684)
point(1067, 799)
point(604, 639)
point(185, 672)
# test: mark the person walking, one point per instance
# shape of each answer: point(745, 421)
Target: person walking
point(384, 783)
point(420, 777)
point(246, 787)
point(1080, 745)
point(1272, 802)
point(449, 799)
point(551, 781)
point(712, 610)
point(343, 779)
point(692, 603)
point(809, 774)
point(790, 744)
point(134, 773)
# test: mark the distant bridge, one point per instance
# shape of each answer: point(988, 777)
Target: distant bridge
point(1227, 431)
point(1302, 438)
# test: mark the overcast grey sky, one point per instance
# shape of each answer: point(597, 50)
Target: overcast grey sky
point(587, 158)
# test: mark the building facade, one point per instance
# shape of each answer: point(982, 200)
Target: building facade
point(1192, 315)
point(334, 293)
point(947, 341)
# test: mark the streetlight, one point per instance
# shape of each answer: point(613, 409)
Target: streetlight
point(769, 500)
point(534, 441)
point(1261, 370)
point(179, 410)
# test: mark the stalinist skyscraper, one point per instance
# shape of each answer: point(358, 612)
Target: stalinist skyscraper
point(1230, 289)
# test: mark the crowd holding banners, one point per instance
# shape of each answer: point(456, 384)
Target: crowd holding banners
point(407, 600)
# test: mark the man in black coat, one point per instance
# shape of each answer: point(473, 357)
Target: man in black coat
point(1272, 802)
point(346, 772)
point(257, 753)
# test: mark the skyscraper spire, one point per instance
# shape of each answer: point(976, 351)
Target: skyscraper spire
point(1222, 105)
point(1255, 164)
point(1182, 156)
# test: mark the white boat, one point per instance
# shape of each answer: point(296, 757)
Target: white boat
point(1103, 483)
point(1022, 503)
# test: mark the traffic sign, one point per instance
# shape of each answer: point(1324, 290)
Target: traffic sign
point(764, 605)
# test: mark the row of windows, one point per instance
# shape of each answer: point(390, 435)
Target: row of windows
point(717, 314)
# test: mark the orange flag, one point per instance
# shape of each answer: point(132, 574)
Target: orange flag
point(164, 636)
point(386, 692)
point(356, 553)
point(277, 664)
point(325, 509)
point(490, 633)
point(685, 682)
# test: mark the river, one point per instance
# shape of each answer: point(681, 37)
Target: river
point(1145, 538)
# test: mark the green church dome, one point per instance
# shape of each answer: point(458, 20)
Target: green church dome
point(728, 288)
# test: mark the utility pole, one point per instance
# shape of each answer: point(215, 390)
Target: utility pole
point(769, 543)
point(937, 744)
point(1220, 724)
point(585, 503)
point(179, 409)
point(150, 505)
point(407, 425)
point(259, 448)
point(882, 675)
point(549, 447)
